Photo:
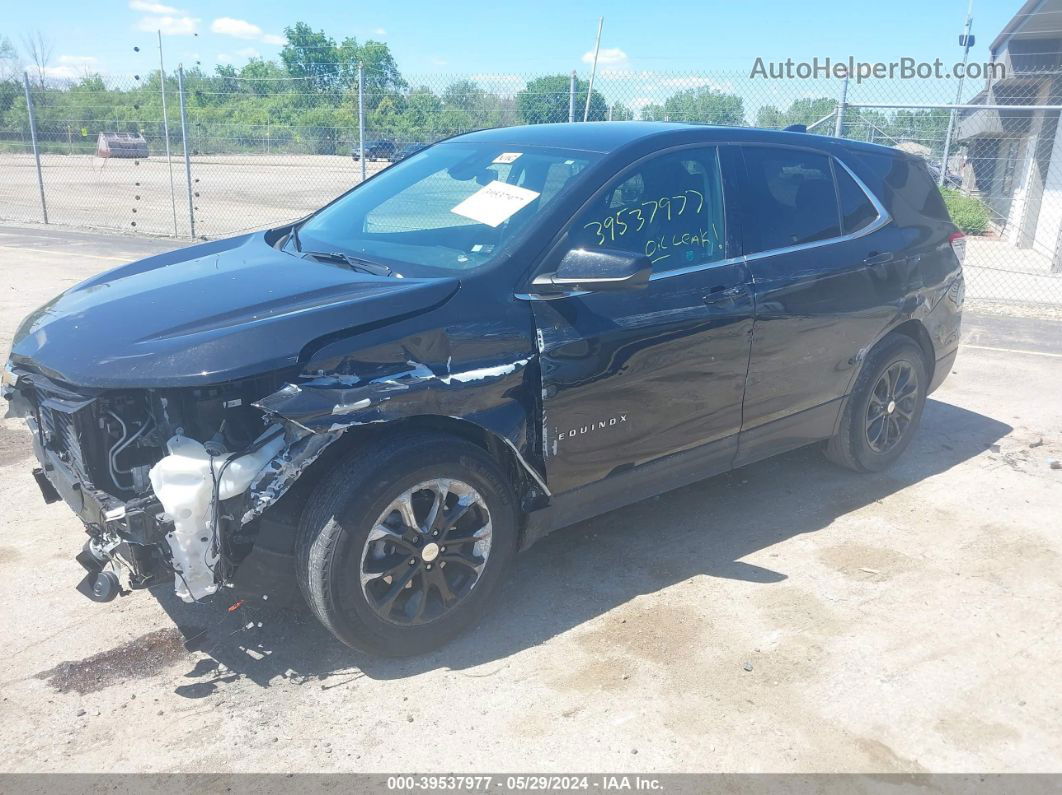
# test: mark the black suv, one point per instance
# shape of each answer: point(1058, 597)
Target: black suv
point(508, 332)
point(376, 149)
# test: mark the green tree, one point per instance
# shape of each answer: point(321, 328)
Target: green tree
point(263, 78)
point(313, 58)
point(464, 95)
point(703, 104)
point(9, 74)
point(925, 127)
point(801, 111)
point(380, 71)
point(422, 112)
point(546, 99)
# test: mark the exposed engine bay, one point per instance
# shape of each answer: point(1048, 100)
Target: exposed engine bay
point(162, 479)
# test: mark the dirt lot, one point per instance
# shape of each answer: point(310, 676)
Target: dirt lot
point(232, 193)
point(786, 617)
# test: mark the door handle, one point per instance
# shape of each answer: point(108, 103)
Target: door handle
point(878, 258)
point(720, 294)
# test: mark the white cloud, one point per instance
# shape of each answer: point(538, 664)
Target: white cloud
point(245, 54)
point(607, 56)
point(379, 32)
point(70, 67)
point(239, 28)
point(79, 60)
point(153, 8)
point(242, 29)
point(169, 25)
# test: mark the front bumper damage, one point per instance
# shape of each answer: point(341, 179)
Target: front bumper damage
point(195, 517)
point(196, 500)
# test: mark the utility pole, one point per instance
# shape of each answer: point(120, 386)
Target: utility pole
point(593, 71)
point(187, 157)
point(33, 139)
point(166, 132)
point(967, 41)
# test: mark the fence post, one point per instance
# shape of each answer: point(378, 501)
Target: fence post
point(33, 138)
point(571, 97)
point(361, 119)
point(184, 141)
point(838, 126)
point(947, 149)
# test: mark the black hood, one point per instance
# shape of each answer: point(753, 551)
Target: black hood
point(207, 314)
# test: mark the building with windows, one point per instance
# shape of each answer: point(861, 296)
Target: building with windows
point(1013, 158)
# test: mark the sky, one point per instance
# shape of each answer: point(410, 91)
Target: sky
point(506, 37)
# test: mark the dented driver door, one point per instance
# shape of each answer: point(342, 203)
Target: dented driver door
point(631, 377)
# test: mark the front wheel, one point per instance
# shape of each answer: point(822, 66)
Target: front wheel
point(883, 411)
point(402, 546)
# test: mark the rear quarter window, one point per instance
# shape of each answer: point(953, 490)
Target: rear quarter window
point(914, 194)
point(857, 211)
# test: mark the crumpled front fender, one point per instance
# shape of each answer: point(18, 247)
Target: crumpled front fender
point(497, 396)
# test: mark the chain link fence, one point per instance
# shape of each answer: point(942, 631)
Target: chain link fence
point(208, 155)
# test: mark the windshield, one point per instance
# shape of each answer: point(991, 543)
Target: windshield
point(453, 206)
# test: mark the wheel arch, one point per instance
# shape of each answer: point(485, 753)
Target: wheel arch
point(912, 328)
point(279, 520)
point(915, 330)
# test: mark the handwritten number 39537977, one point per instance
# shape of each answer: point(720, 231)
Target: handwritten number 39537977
point(614, 226)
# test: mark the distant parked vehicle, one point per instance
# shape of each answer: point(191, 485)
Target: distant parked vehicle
point(376, 149)
point(405, 150)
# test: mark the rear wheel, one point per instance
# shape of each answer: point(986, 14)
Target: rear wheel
point(884, 409)
point(397, 556)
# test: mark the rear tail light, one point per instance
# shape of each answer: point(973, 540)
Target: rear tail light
point(958, 245)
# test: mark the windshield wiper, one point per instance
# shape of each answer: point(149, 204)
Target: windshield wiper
point(355, 264)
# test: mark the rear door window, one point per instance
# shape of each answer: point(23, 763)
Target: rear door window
point(790, 198)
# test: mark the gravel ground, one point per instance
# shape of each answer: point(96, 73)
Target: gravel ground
point(231, 193)
point(787, 617)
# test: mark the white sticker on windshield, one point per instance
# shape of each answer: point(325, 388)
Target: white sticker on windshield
point(495, 203)
point(507, 157)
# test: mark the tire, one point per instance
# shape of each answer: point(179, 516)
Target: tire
point(345, 539)
point(859, 444)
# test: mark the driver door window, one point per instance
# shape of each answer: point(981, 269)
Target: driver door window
point(670, 208)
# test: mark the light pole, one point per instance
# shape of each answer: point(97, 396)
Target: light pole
point(967, 41)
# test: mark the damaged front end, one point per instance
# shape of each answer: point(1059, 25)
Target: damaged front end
point(163, 480)
point(171, 483)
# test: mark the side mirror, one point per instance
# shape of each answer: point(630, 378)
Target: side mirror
point(596, 270)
